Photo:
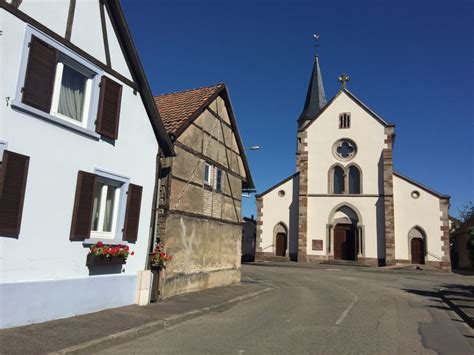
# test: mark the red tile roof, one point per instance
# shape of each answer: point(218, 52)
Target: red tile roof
point(176, 108)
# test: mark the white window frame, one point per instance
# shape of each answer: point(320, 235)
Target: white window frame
point(101, 234)
point(116, 235)
point(57, 92)
point(209, 175)
point(91, 96)
point(3, 147)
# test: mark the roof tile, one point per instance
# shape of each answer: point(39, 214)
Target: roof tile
point(176, 108)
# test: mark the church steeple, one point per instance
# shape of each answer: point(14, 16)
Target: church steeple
point(315, 98)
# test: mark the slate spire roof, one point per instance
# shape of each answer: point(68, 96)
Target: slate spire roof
point(315, 98)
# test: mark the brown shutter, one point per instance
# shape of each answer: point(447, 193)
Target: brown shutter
point(13, 175)
point(132, 214)
point(108, 113)
point(40, 73)
point(83, 203)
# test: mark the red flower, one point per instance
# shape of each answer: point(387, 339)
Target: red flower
point(99, 244)
point(132, 253)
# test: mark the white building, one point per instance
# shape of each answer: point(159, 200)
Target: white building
point(79, 138)
point(345, 201)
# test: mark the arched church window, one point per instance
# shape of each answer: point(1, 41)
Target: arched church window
point(338, 180)
point(354, 180)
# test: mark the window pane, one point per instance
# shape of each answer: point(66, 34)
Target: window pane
point(338, 180)
point(219, 180)
point(109, 208)
point(207, 173)
point(96, 208)
point(354, 180)
point(71, 97)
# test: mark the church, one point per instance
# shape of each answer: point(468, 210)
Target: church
point(345, 201)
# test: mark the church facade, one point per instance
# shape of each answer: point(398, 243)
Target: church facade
point(346, 201)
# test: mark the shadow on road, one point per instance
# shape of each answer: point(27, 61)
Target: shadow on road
point(456, 297)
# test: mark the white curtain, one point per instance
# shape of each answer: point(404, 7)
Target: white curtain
point(71, 98)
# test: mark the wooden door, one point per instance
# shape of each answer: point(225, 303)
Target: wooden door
point(280, 248)
point(417, 251)
point(339, 240)
point(349, 245)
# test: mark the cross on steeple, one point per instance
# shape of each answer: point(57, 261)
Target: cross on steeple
point(316, 45)
point(343, 79)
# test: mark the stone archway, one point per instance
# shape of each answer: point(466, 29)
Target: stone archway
point(417, 245)
point(345, 233)
point(280, 239)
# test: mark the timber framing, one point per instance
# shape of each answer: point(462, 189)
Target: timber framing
point(202, 217)
point(204, 187)
point(207, 159)
point(222, 92)
point(214, 138)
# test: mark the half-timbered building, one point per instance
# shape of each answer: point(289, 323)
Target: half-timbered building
point(201, 190)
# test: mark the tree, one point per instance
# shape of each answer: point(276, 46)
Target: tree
point(466, 225)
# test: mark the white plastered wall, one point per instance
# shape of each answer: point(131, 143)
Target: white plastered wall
point(42, 269)
point(86, 32)
point(423, 212)
point(369, 136)
point(280, 209)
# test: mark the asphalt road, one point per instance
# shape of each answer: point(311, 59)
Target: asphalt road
point(325, 310)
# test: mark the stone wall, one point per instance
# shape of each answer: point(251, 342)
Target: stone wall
point(302, 167)
point(389, 218)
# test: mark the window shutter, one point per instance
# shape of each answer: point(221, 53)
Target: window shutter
point(13, 175)
point(108, 113)
point(83, 202)
point(132, 214)
point(40, 73)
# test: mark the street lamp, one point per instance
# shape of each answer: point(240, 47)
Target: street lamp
point(253, 147)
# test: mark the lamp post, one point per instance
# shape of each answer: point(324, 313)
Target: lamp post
point(253, 147)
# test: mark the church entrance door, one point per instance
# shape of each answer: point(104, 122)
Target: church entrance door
point(280, 244)
point(417, 251)
point(344, 242)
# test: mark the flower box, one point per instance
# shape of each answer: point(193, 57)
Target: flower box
point(104, 260)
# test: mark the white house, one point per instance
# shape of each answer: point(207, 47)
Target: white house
point(345, 201)
point(79, 138)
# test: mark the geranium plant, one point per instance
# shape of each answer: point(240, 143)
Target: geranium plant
point(108, 251)
point(159, 257)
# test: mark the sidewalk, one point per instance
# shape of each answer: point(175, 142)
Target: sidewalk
point(83, 334)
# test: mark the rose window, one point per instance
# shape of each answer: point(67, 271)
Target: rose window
point(344, 149)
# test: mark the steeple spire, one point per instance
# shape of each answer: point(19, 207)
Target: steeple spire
point(315, 98)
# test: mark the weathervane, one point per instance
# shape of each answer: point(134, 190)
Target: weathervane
point(343, 79)
point(316, 37)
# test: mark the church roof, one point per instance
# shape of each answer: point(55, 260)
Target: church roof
point(277, 184)
point(315, 97)
point(421, 186)
point(179, 109)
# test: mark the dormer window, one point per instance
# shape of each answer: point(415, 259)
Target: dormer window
point(345, 120)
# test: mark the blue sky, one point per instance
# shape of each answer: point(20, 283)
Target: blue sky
point(410, 61)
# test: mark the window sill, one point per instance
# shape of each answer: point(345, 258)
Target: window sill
point(55, 120)
point(91, 241)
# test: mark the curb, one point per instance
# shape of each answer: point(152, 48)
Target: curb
point(469, 321)
point(148, 328)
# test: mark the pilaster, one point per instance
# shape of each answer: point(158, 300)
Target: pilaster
point(302, 167)
point(445, 248)
point(389, 216)
point(258, 241)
